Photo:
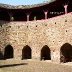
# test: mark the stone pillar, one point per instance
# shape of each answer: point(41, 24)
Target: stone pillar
point(35, 54)
point(28, 17)
point(34, 17)
point(65, 7)
point(55, 56)
point(45, 14)
point(1, 53)
point(17, 53)
point(11, 17)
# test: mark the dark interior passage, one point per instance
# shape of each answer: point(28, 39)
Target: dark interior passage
point(20, 16)
point(1, 55)
point(55, 10)
point(45, 53)
point(4, 15)
point(66, 53)
point(70, 7)
point(8, 53)
point(39, 14)
point(26, 52)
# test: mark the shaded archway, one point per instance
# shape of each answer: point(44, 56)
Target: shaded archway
point(19, 15)
point(26, 52)
point(45, 53)
point(39, 14)
point(66, 53)
point(4, 15)
point(55, 10)
point(1, 55)
point(70, 7)
point(8, 53)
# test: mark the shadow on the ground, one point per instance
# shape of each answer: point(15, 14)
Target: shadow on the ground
point(12, 65)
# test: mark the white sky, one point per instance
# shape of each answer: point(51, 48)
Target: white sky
point(22, 2)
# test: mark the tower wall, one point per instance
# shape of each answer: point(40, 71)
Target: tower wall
point(53, 32)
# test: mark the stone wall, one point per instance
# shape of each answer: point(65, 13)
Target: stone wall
point(53, 32)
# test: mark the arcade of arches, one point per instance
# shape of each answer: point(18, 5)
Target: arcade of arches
point(35, 14)
point(65, 53)
point(45, 53)
point(4, 15)
point(26, 52)
point(8, 52)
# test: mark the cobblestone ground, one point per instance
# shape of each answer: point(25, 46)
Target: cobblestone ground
point(33, 66)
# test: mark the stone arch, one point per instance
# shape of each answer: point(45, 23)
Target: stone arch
point(26, 52)
point(66, 53)
point(45, 53)
point(70, 7)
point(1, 55)
point(55, 10)
point(39, 14)
point(8, 52)
point(4, 15)
point(19, 16)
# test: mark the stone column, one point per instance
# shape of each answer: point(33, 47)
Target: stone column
point(11, 17)
point(45, 14)
point(35, 18)
point(17, 54)
point(1, 53)
point(55, 56)
point(28, 17)
point(35, 53)
point(65, 7)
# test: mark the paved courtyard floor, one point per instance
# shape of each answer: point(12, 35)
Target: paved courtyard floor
point(33, 66)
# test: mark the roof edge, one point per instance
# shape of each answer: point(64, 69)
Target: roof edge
point(7, 6)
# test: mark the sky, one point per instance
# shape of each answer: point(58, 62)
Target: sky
point(22, 2)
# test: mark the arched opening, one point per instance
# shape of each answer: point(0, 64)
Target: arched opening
point(8, 53)
point(1, 55)
point(70, 7)
point(26, 52)
point(45, 53)
point(66, 53)
point(38, 14)
point(20, 16)
point(4, 15)
point(55, 10)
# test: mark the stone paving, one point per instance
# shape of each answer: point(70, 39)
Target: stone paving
point(33, 66)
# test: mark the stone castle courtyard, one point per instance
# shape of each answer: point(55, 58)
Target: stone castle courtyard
point(36, 38)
